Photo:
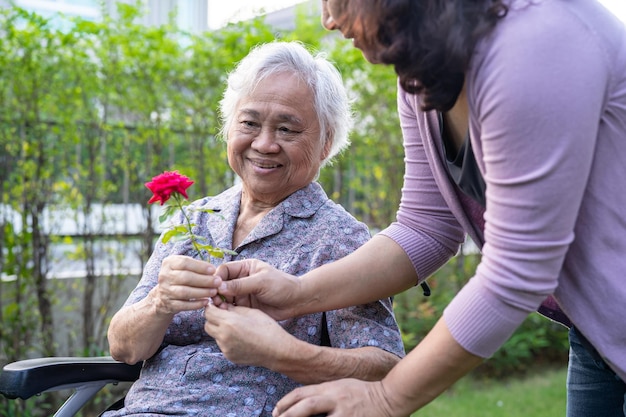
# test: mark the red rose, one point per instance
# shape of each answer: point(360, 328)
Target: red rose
point(167, 183)
point(171, 183)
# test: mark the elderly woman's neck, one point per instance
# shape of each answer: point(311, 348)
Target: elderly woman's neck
point(251, 212)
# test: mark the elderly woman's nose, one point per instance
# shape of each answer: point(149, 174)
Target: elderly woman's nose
point(265, 142)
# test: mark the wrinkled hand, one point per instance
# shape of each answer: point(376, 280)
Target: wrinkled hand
point(253, 283)
point(341, 398)
point(184, 284)
point(246, 336)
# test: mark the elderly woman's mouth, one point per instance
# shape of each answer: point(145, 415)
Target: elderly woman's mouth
point(266, 165)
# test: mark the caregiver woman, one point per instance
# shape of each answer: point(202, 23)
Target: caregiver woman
point(514, 124)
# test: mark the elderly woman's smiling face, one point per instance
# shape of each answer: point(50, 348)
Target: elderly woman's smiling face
point(274, 142)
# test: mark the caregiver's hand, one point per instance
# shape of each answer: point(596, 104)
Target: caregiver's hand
point(341, 398)
point(253, 283)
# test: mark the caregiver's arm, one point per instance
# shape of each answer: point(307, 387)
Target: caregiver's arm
point(378, 269)
point(431, 367)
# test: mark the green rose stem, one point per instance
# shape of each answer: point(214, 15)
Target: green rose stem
point(192, 237)
point(194, 241)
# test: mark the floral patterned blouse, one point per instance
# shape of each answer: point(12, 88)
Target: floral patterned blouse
point(189, 375)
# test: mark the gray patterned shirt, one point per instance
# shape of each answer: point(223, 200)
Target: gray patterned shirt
point(189, 375)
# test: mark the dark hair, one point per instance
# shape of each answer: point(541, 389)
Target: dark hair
point(430, 42)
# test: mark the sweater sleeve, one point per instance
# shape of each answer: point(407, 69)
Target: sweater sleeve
point(425, 227)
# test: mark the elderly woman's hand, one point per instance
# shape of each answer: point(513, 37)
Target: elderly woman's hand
point(184, 284)
point(246, 336)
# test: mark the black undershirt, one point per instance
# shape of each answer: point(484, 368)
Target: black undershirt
point(462, 166)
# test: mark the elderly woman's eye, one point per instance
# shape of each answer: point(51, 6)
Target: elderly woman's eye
point(248, 123)
point(288, 130)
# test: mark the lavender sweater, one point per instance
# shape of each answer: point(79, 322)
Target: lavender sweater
point(547, 97)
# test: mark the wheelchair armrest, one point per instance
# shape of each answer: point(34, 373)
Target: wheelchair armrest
point(25, 378)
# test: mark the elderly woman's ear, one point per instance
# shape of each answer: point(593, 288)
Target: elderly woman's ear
point(328, 145)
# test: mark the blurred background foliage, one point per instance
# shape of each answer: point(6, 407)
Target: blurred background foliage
point(537, 343)
point(90, 113)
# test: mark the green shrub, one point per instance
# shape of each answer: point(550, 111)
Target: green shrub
point(537, 341)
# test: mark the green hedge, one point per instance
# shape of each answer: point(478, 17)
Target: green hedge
point(537, 341)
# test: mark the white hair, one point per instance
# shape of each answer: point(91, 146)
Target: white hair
point(330, 98)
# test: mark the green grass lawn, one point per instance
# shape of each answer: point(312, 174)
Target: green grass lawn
point(540, 394)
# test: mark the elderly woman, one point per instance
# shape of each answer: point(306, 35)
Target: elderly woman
point(285, 114)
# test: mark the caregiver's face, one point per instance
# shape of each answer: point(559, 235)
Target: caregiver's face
point(338, 15)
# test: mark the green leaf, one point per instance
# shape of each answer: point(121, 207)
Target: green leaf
point(168, 211)
point(168, 235)
point(175, 232)
point(213, 212)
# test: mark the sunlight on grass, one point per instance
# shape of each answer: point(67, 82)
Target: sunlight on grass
point(538, 395)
